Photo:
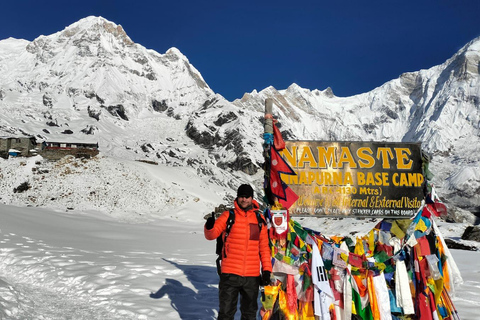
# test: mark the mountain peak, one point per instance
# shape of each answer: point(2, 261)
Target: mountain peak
point(176, 54)
point(97, 25)
point(86, 81)
point(474, 44)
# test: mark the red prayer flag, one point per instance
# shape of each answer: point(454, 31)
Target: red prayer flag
point(437, 209)
point(356, 260)
point(441, 208)
point(428, 211)
point(278, 142)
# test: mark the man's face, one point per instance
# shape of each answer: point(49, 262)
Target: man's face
point(244, 202)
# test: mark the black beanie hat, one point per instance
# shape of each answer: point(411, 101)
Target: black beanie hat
point(245, 191)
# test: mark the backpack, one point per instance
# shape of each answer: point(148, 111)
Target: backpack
point(220, 248)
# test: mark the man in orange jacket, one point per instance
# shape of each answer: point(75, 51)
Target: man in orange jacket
point(246, 252)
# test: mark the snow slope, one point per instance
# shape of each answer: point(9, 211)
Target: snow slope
point(91, 82)
point(124, 239)
point(83, 265)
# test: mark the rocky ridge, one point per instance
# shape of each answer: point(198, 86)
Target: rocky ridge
point(92, 82)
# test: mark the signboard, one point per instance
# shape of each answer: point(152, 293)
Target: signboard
point(358, 179)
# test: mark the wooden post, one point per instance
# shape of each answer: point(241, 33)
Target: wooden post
point(269, 115)
point(266, 148)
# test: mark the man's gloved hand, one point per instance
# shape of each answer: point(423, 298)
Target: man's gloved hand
point(210, 222)
point(266, 278)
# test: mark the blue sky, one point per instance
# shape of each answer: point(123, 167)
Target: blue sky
point(240, 46)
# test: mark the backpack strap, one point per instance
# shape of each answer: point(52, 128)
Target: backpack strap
point(230, 222)
point(222, 239)
point(261, 221)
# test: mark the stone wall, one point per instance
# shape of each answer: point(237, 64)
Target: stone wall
point(24, 145)
point(4, 144)
point(57, 154)
point(4, 147)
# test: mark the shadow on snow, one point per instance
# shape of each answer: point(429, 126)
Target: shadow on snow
point(188, 303)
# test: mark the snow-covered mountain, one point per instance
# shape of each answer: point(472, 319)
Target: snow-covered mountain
point(439, 107)
point(92, 82)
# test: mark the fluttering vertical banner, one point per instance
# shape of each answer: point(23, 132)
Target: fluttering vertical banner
point(276, 191)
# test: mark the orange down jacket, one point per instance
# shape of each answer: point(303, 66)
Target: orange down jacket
point(245, 247)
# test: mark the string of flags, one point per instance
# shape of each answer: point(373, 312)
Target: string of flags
point(401, 269)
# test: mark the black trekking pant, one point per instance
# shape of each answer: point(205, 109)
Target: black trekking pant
point(230, 286)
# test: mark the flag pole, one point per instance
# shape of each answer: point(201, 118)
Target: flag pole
point(269, 115)
point(268, 142)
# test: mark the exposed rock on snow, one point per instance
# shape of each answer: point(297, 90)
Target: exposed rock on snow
point(92, 80)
